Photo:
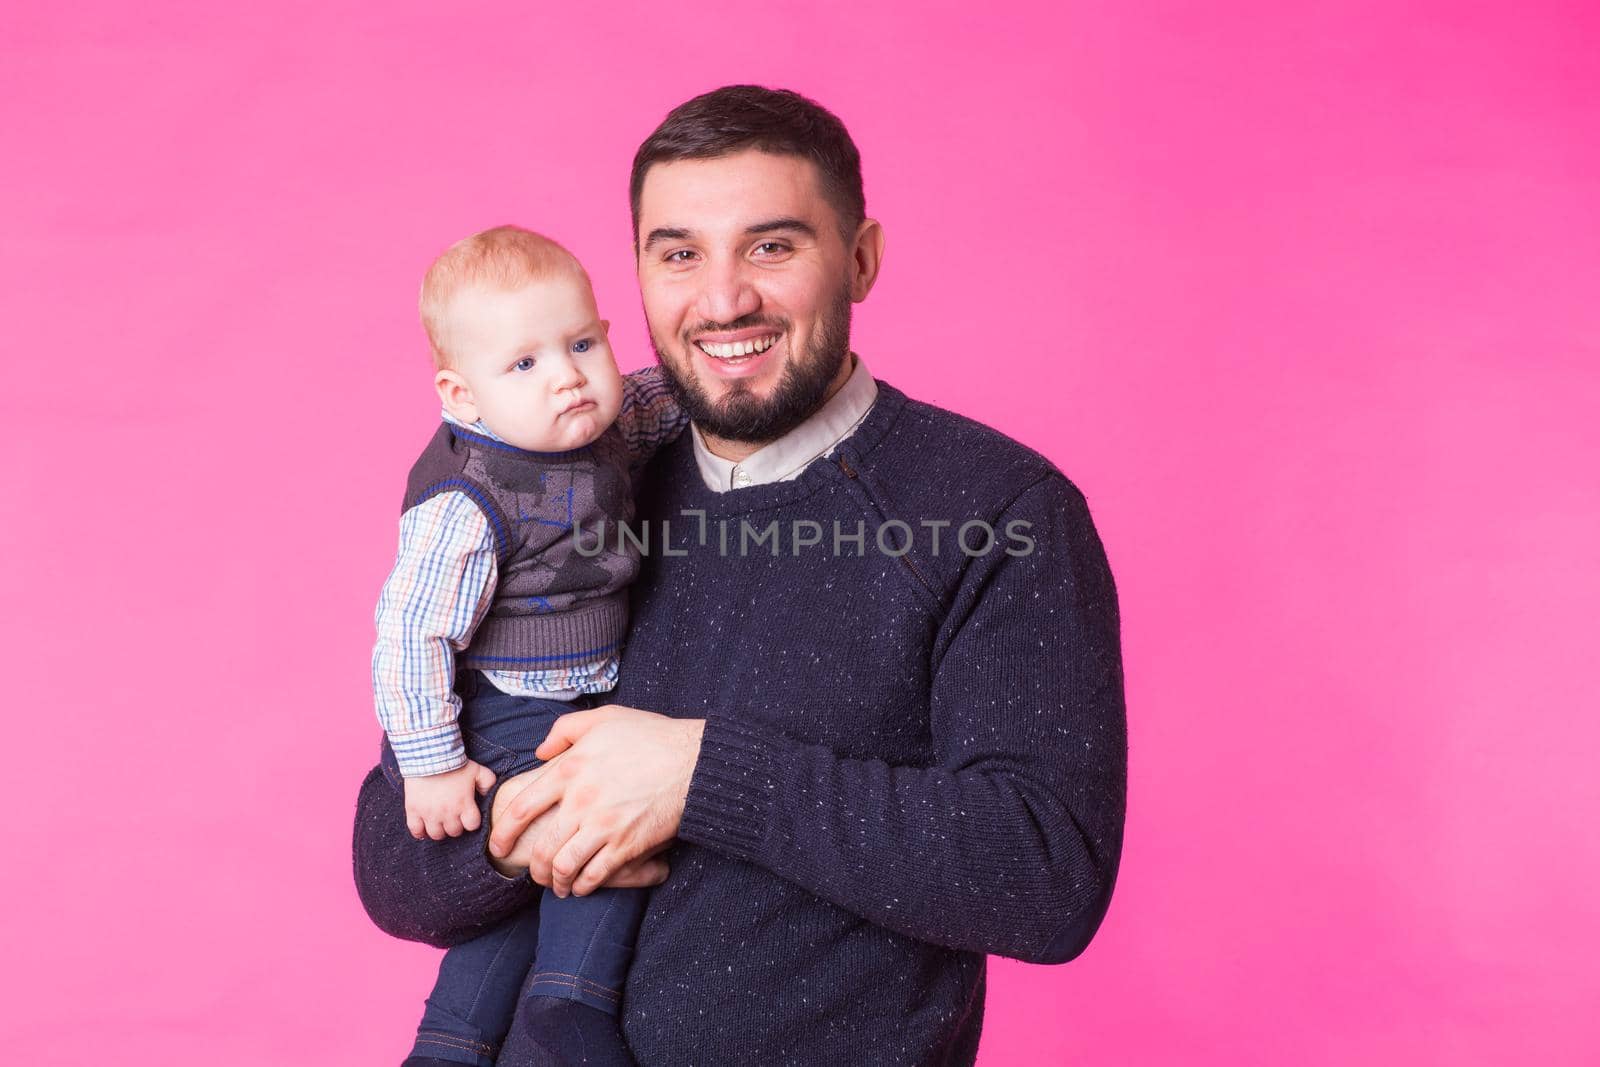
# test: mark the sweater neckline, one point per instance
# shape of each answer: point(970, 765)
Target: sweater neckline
point(477, 440)
point(853, 452)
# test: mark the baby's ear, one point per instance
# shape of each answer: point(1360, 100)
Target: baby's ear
point(605, 327)
point(456, 396)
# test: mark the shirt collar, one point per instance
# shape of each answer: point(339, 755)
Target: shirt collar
point(785, 458)
point(477, 427)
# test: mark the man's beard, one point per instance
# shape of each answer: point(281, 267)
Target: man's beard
point(741, 415)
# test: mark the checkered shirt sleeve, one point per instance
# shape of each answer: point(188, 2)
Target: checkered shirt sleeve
point(650, 415)
point(441, 586)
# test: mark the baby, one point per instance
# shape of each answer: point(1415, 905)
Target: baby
point(492, 624)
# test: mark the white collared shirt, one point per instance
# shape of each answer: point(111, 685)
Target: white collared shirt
point(785, 458)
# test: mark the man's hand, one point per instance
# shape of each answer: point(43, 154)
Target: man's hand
point(647, 870)
point(446, 805)
point(620, 777)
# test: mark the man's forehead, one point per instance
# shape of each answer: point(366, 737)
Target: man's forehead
point(730, 192)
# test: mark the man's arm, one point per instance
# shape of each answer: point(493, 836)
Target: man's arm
point(446, 892)
point(1009, 843)
point(437, 892)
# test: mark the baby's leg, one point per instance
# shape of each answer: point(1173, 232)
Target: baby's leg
point(480, 981)
point(470, 1010)
point(585, 944)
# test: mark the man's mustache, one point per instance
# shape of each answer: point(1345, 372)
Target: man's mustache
point(743, 323)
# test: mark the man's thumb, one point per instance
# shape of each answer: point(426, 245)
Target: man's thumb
point(563, 733)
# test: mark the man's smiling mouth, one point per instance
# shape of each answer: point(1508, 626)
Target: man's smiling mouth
point(738, 351)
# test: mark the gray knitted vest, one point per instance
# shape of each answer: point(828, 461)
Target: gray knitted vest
point(553, 606)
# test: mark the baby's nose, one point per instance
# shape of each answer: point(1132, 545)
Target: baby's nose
point(568, 376)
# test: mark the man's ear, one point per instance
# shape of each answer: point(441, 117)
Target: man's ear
point(866, 257)
point(456, 395)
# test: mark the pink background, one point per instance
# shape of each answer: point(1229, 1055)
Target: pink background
point(1305, 301)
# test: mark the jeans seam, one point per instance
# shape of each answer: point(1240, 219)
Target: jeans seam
point(454, 1041)
point(577, 984)
point(498, 952)
point(588, 950)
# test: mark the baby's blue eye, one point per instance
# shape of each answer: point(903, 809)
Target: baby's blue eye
point(582, 346)
point(525, 363)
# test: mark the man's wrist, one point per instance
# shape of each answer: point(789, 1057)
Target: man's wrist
point(694, 731)
point(694, 734)
point(732, 787)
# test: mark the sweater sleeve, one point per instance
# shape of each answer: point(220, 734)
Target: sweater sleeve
point(438, 892)
point(650, 416)
point(1009, 842)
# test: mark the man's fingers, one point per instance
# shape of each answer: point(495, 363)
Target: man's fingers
point(637, 874)
point(539, 797)
point(600, 867)
point(550, 833)
point(512, 788)
point(573, 858)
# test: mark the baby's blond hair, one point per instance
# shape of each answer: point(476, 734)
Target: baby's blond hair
point(506, 257)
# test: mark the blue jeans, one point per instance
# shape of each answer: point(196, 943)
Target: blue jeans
point(576, 948)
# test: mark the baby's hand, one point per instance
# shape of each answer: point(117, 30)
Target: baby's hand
point(444, 805)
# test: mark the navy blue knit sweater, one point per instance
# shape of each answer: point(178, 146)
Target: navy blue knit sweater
point(911, 759)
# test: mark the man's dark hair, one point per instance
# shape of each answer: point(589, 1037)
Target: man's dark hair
point(777, 121)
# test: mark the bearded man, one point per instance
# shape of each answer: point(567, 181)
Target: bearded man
point(870, 761)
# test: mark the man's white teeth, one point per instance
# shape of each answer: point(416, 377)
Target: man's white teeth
point(737, 348)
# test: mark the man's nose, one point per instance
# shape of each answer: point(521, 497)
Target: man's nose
point(726, 291)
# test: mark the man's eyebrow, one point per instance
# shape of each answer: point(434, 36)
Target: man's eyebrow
point(664, 233)
point(785, 223)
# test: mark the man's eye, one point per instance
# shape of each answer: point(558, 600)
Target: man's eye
point(673, 257)
point(771, 247)
point(525, 363)
point(582, 346)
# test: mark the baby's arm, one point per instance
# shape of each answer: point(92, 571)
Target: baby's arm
point(441, 585)
point(650, 415)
